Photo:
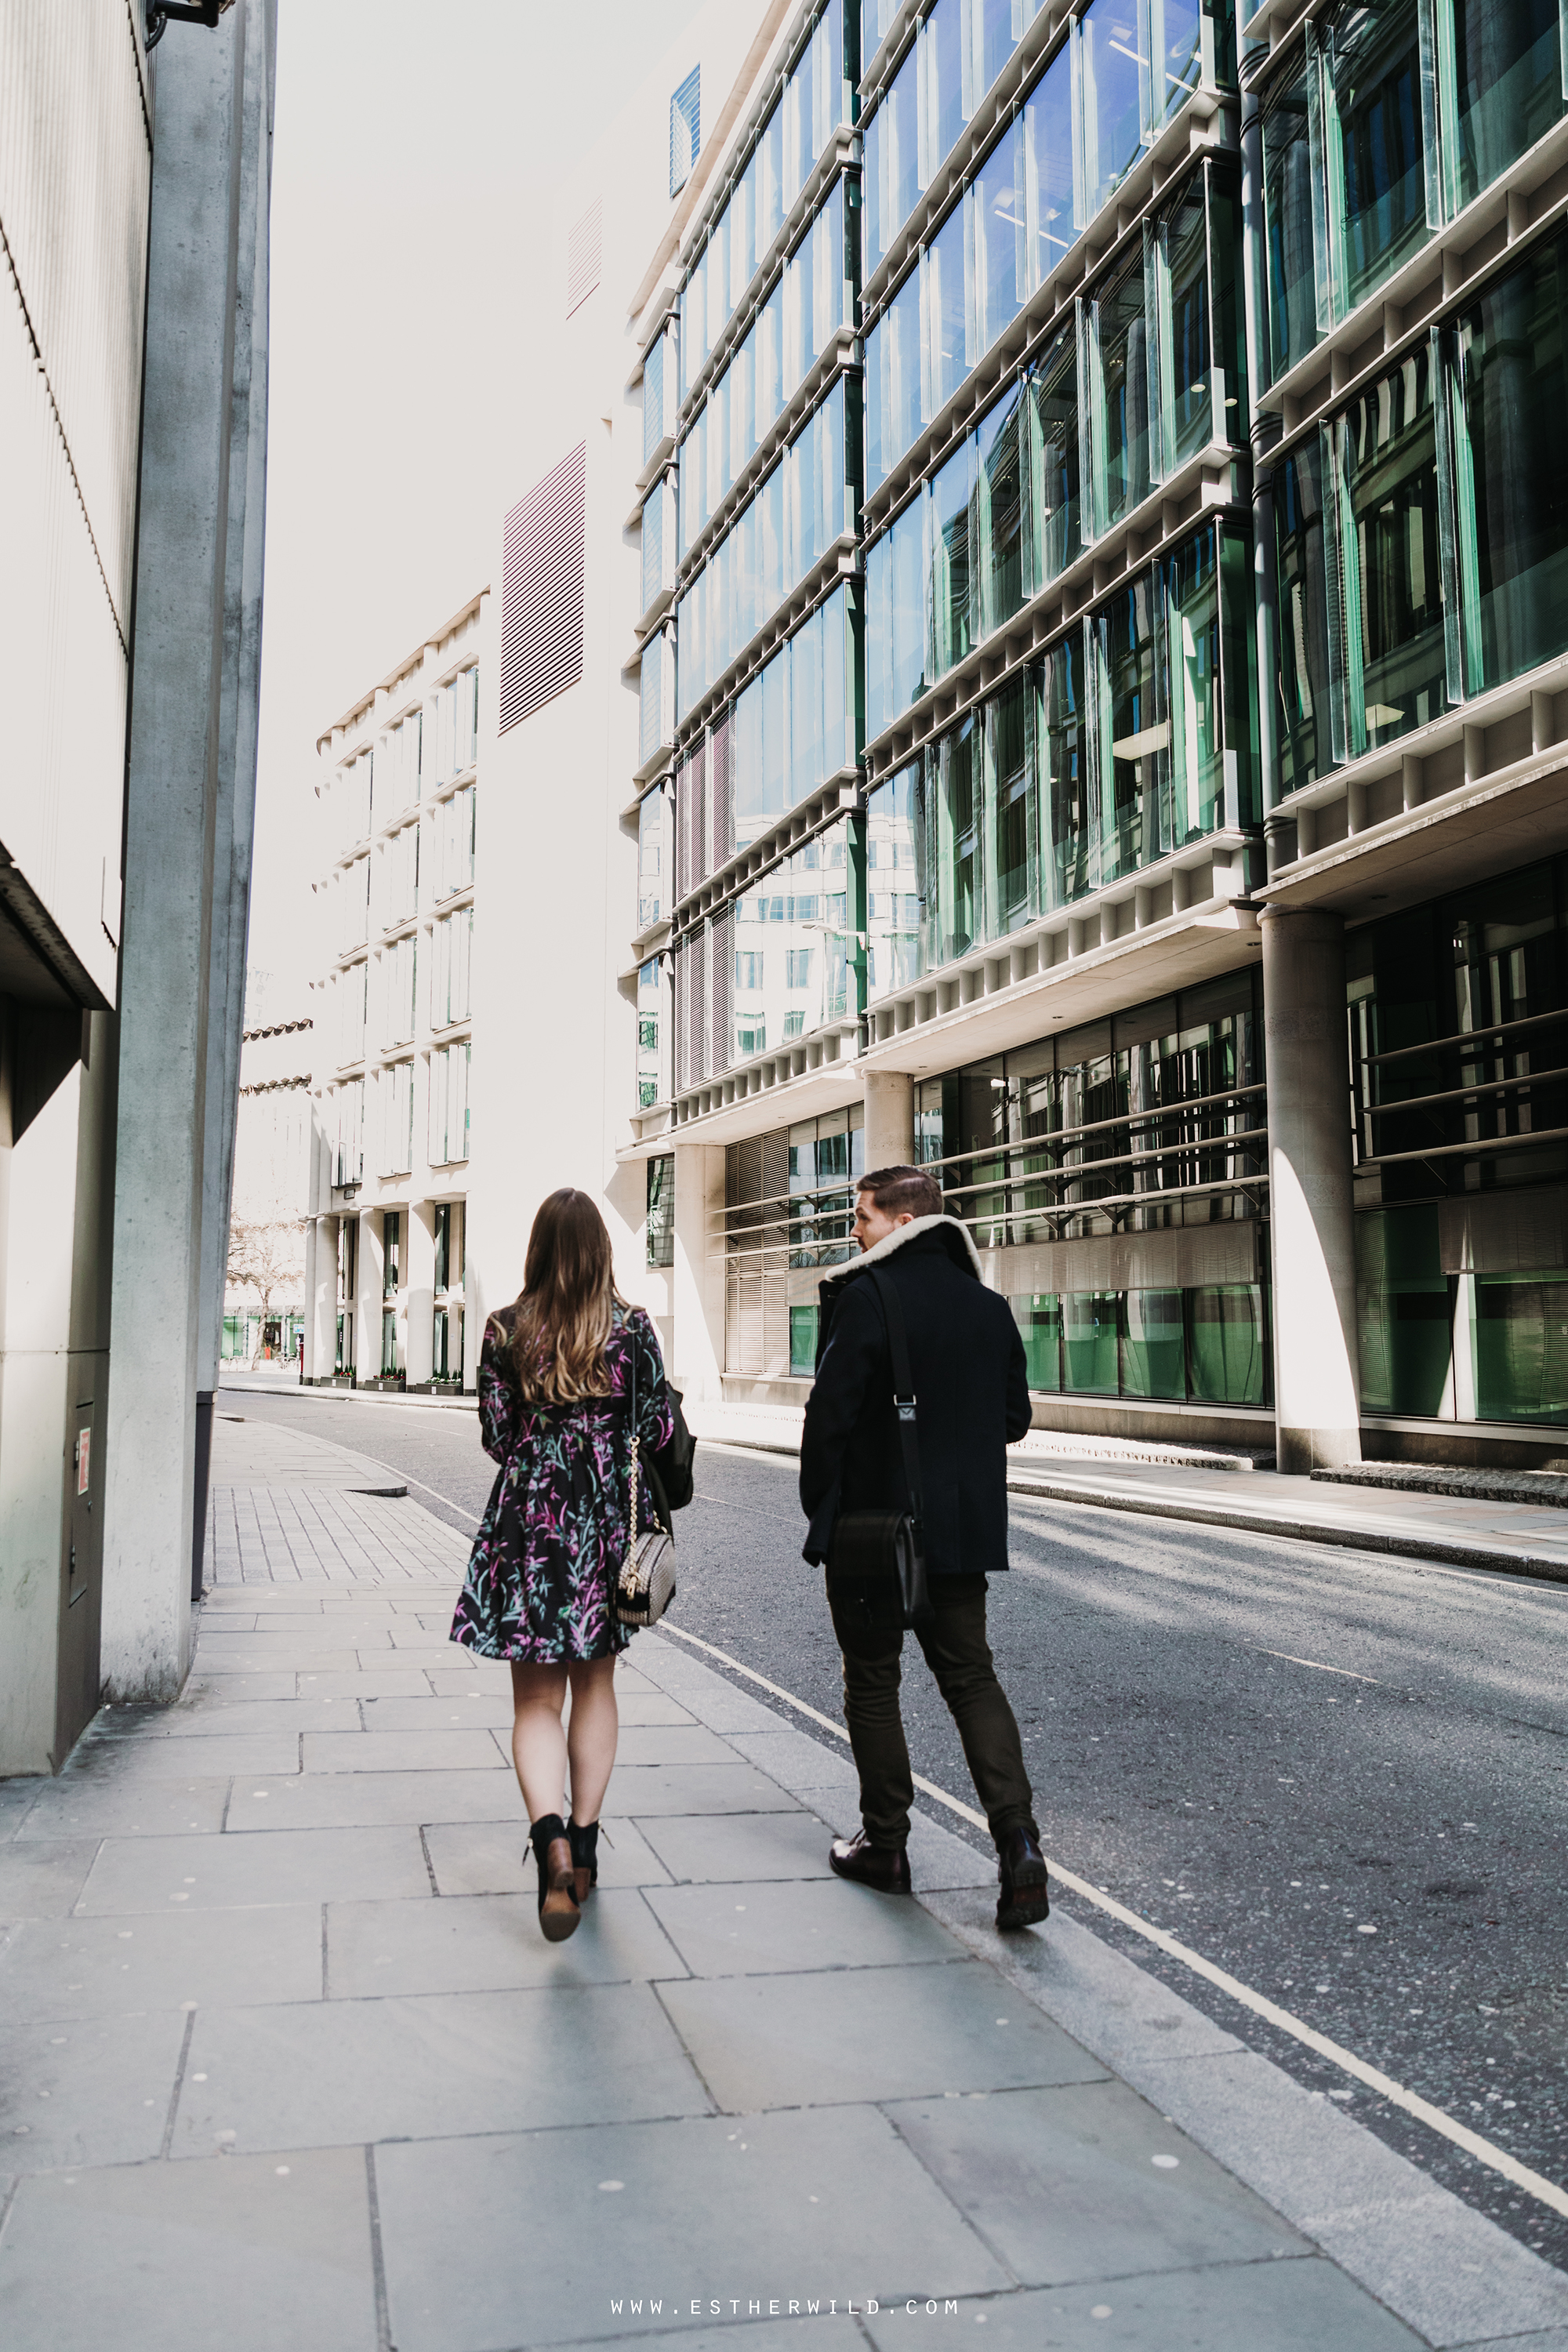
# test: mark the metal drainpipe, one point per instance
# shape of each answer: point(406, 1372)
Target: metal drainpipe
point(1263, 429)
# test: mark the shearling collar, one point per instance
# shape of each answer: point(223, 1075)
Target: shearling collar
point(955, 1238)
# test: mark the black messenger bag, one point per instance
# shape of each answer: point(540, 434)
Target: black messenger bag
point(890, 1544)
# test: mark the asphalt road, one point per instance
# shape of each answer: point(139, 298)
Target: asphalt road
point(1337, 1775)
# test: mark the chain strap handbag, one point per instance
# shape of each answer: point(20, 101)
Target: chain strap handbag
point(890, 1544)
point(646, 1586)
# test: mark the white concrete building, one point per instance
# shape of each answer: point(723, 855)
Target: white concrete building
point(273, 1157)
point(387, 1190)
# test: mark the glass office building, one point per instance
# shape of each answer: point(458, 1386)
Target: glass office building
point(1106, 513)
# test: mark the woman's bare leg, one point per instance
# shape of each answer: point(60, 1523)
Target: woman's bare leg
point(591, 1735)
point(538, 1739)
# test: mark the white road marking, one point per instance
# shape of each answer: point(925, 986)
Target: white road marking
point(1319, 1668)
point(1534, 2184)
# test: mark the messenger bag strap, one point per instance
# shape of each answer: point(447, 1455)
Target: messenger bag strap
point(903, 1398)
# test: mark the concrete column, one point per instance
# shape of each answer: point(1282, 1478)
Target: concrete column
point(419, 1293)
point(890, 1118)
point(368, 1301)
point(172, 814)
point(321, 1300)
point(698, 1273)
point(1316, 1375)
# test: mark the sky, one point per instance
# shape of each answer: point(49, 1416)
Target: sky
point(413, 150)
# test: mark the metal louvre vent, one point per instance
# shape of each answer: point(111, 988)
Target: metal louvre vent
point(584, 243)
point(541, 591)
point(722, 973)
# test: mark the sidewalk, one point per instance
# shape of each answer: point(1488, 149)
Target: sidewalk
point(1517, 1539)
point(285, 2060)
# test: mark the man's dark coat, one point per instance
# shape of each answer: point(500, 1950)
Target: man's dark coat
point(971, 1378)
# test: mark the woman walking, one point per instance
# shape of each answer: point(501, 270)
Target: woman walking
point(557, 1377)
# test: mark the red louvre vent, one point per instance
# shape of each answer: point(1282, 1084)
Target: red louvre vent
point(583, 242)
point(541, 591)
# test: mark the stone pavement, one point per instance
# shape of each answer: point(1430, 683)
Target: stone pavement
point(285, 2062)
point(1517, 1539)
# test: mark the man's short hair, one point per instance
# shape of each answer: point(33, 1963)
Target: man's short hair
point(903, 1191)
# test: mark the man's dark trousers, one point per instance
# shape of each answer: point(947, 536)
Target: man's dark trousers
point(866, 1621)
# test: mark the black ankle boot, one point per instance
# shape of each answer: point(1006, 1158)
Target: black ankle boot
point(558, 1909)
point(584, 1840)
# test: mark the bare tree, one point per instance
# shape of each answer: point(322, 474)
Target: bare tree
point(264, 1257)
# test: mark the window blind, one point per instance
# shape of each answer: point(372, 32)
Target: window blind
point(541, 591)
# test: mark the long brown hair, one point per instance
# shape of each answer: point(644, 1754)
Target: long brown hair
point(562, 1319)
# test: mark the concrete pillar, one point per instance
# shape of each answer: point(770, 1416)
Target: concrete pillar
point(1316, 1378)
point(890, 1118)
point(321, 1300)
point(171, 849)
point(368, 1302)
point(419, 1293)
point(698, 1273)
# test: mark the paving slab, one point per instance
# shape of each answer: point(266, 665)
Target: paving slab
point(646, 1788)
point(253, 1654)
point(82, 1805)
point(93, 2091)
point(492, 1857)
point(1304, 2305)
point(464, 1672)
point(324, 2073)
point(348, 1801)
point(1088, 2182)
point(43, 1880)
point(248, 2253)
point(796, 1761)
point(134, 1874)
point(485, 1943)
point(188, 1759)
point(728, 1846)
point(826, 2203)
point(749, 1927)
point(208, 1688)
point(374, 1682)
point(868, 2034)
point(442, 1749)
point(103, 1966)
point(664, 1743)
point(246, 1719)
point(470, 1708)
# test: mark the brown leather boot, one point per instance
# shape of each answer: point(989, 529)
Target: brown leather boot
point(1025, 1899)
point(559, 1910)
point(885, 1867)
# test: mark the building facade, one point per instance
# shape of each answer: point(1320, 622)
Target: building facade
point(1103, 704)
point(274, 1148)
point(385, 1192)
point(134, 191)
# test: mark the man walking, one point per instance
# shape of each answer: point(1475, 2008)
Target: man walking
point(969, 1376)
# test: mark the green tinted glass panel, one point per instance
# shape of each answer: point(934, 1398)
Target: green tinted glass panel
point(1225, 1360)
point(1512, 476)
point(1377, 183)
point(1090, 1320)
point(1136, 732)
point(1189, 395)
point(1153, 1344)
point(1306, 742)
point(1123, 454)
point(1039, 1319)
point(1508, 85)
point(1054, 510)
point(1404, 1315)
point(1521, 1335)
point(803, 1341)
point(1068, 848)
point(1390, 567)
point(1288, 225)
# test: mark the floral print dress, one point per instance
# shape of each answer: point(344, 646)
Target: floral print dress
point(541, 1581)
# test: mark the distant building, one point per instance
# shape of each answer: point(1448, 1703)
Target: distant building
point(386, 1196)
point(272, 1163)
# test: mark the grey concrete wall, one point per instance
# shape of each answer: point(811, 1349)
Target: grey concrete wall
point(212, 99)
point(890, 1118)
